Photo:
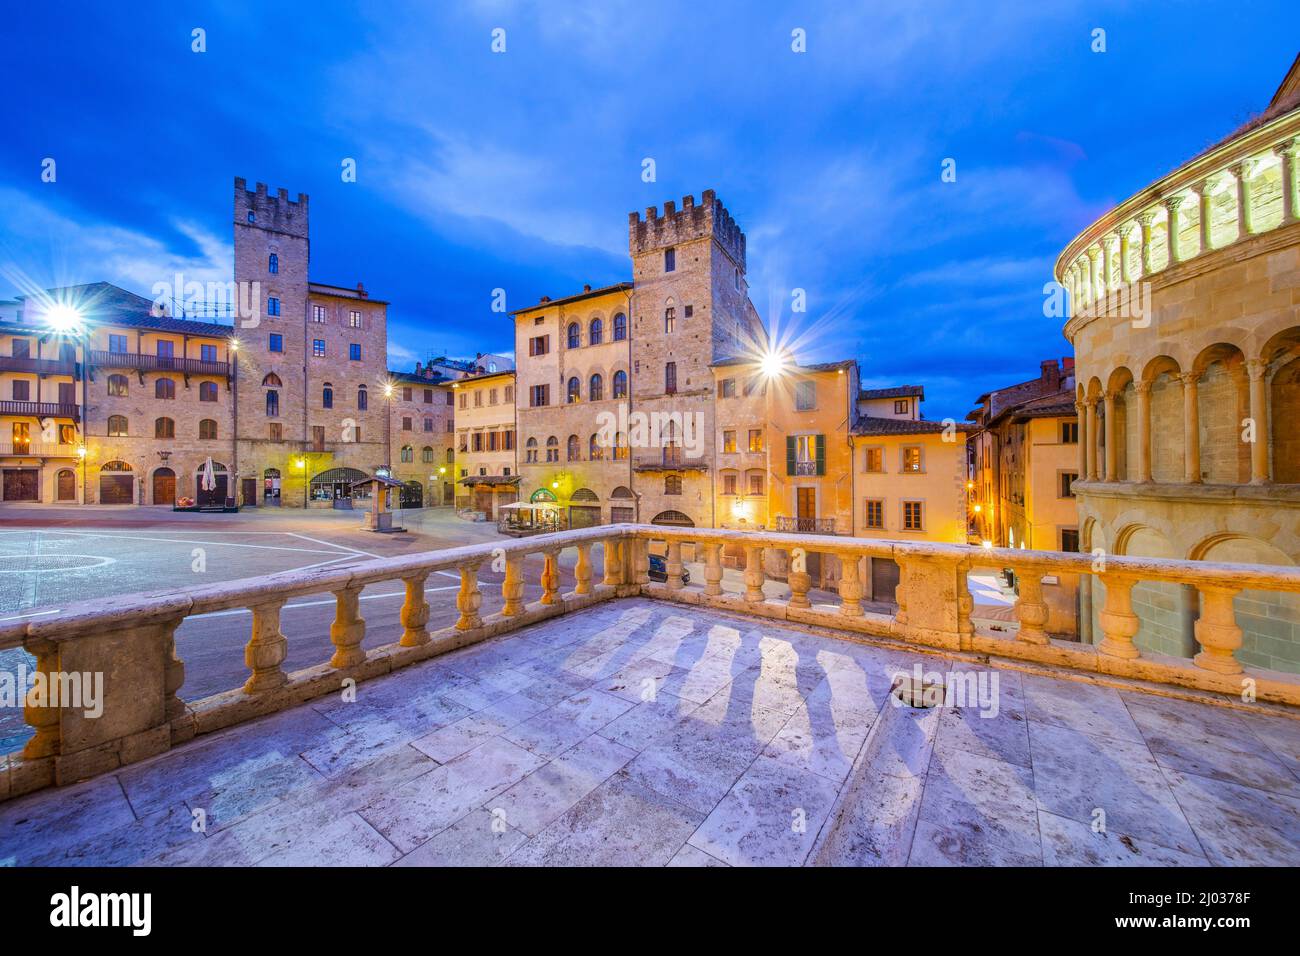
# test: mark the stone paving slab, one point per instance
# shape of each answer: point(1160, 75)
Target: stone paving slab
point(640, 732)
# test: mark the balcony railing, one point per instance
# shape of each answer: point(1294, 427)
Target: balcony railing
point(805, 525)
point(805, 468)
point(143, 714)
point(158, 363)
point(38, 366)
point(40, 409)
point(35, 449)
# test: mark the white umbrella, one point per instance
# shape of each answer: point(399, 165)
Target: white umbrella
point(209, 481)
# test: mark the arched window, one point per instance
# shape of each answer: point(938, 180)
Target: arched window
point(620, 327)
point(273, 264)
point(164, 388)
point(596, 334)
point(272, 403)
point(118, 385)
point(327, 396)
point(116, 426)
point(573, 390)
point(596, 388)
point(530, 450)
point(620, 446)
point(594, 450)
point(271, 381)
point(164, 428)
point(620, 384)
point(208, 429)
point(207, 391)
point(408, 453)
point(574, 335)
point(426, 455)
point(451, 456)
point(672, 484)
point(363, 398)
point(552, 449)
point(670, 319)
point(574, 448)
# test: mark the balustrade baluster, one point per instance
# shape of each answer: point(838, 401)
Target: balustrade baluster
point(348, 629)
point(753, 574)
point(266, 649)
point(673, 563)
point(582, 570)
point(1118, 622)
point(415, 612)
point(512, 588)
point(1031, 611)
point(469, 599)
point(613, 548)
point(799, 579)
point(550, 576)
point(713, 569)
point(1217, 631)
point(37, 712)
point(850, 585)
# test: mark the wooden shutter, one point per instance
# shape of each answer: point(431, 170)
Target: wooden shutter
point(791, 454)
point(821, 454)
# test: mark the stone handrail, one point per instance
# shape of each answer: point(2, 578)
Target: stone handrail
point(130, 639)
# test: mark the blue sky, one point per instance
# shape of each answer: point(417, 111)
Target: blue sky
point(478, 170)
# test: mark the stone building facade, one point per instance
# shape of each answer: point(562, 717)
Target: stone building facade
point(486, 462)
point(1185, 320)
point(423, 426)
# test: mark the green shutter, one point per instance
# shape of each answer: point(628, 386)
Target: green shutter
point(790, 453)
point(821, 454)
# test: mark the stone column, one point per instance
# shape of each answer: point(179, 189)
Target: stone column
point(1175, 250)
point(266, 649)
point(1258, 369)
point(1145, 218)
point(1091, 403)
point(1112, 456)
point(1217, 632)
point(1205, 195)
point(1081, 413)
point(415, 612)
point(1287, 152)
point(348, 629)
point(1107, 270)
point(1242, 172)
point(1143, 390)
point(1191, 428)
point(1125, 273)
point(1092, 276)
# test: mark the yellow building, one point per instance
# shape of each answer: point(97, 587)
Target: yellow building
point(909, 478)
point(487, 471)
point(422, 415)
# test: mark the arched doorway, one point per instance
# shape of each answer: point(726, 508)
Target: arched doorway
point(335, 484)
point(164, 486)
point(622, 505)
point(65, 485)
point(412, 495)
point(116, 483)
point(271, 487)
point(584, 509)
point(217, 494)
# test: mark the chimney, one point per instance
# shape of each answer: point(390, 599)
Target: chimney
point(417, 368)
point(361, 291)
point(586, 287)
point(1051, 375)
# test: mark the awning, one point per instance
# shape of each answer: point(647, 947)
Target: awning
point(489, 480)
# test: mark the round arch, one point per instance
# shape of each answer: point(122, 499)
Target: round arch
point(673, 519)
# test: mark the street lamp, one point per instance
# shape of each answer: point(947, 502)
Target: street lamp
point(81, 453)
point(301, 465)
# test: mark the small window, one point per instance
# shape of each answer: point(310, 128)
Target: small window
point(363, 398)
point(574, 337)
point(406, 423)
point(428, 424)
point(728, 484)
point(572, 393)
point(670, 378)
point(275, 431)
point(1068, 478)
point(911, 459)
point(408, 454)
point(728, 442)
point(318, 348)
point(756, 439)
point(406, 393)
point(275, 343)
point(207, 353)
point(116, 426)
point(1069, 539)
point(318, 313)
point(727, 388)
point(327, 396)
point(874, 516)
point(273, 264)
point(164, 428)
point(670, 320)
point(900, 407)
point(1069, 433)
point(252, 216)
point(272, 305)
point(688, 311)
point(118, 386)
point(164, 388)
point(620, 327)
point(539, 396)
point(552, 449)
point(913, 516)
point(272, 403)
point(805, 396)
point(354, 352)
point(596, 388)
point(207, 391)
point(208, 429)
point(620, 384)
point(874, 460)
point(573, 449)
point(530, 451)
point(756, 483)
point(539, 345)
point(596, 334)
point(354, 319)
point(670, 260)
point(672, 484)
point(116, 343)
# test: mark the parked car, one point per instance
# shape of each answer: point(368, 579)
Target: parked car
point(659, 570)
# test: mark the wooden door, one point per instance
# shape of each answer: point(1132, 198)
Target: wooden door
point(66, 486)
point(164, 487)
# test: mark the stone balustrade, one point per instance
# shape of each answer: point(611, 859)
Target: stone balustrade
point(1242, 188)
point(131, 639)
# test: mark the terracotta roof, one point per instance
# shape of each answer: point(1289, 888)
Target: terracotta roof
point(489, 480)
point(578, 297)
point(419, 379)
point(895, 391)
point(871, 425)
point(102, 303)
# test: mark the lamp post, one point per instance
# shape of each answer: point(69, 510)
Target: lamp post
point(301, 464)
point(81, 453)
point(388, 427)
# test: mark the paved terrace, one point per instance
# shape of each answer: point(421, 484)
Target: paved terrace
point(764, 743)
